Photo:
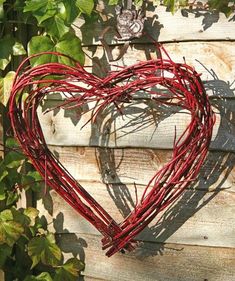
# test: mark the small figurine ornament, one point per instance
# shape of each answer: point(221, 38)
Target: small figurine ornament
point(130, 23)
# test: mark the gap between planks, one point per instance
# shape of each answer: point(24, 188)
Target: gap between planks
point(159, 262)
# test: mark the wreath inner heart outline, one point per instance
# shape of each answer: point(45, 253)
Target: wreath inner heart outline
point(184, 89)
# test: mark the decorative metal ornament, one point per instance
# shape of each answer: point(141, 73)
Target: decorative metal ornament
point(129, 26)
point(130, 23)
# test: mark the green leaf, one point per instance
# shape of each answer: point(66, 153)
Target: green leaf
point(70, 270)
point(55, 27)
point(138, 3)
point(44, 276)
point(85, 6)
point(20, 217)
point(12, 197)
point(5, 87)
point(10, 231)
point(6, 215)
point(44, 249)
point(71, 11)
point(6, 45)
point(174, 5)
point(2, 191)
point(221, 6)
point(5, 252)
point(3, 173)
point(39, 44)
point(9, 47)
point(1, 12)
point(13, 159)
point(32, 213)
point(11, 142)
point(18, 49)
point(41, 9)
point(113, 2)
point(70, 45)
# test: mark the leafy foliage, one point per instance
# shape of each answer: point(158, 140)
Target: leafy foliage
point(224, 6)
point(26, 246)
point(44, 249)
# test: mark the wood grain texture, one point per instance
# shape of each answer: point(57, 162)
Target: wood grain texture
point(197, 218)
point(152, 262)
point(149, 125)
point(217, 65)
point(214, 60)
point(163, 26)
point(133, 165)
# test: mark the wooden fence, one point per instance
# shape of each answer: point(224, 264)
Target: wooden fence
point(195, 239)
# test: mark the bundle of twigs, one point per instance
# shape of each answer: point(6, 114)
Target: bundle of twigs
point(184, 89)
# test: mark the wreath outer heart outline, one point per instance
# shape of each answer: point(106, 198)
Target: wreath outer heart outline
point(185, 89)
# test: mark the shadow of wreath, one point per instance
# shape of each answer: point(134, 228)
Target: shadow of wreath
point(216, 169)
point(214, 173)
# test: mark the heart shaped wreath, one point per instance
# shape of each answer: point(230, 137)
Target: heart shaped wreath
point(184, 89)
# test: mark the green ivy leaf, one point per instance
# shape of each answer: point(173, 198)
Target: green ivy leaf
point(11, 142)
point(55, 27)
point(20, 217)
point(69, 45)
point(18, 49)
point(32, 213)
point(69, 271)
point(44, 276)
point(2, 191)
point(6, 46)
point(3, 173)
point(5, 252)
point(6, 215)
point(174, 5)
point(113, 2)
point(10, 231)
point(138, 3)
point(39, 44)
point(71, 11)
point(85, 6)
point(41, 9)
point(44, 249)
point(221, 5)
point(12, 197)
point(13, 159)
point(1, 12)
point(5, 87)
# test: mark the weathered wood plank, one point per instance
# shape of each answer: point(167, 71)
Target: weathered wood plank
point(197, 218)
point(150, 125)
point(214, 60)
point(128, 166)
point(2, 278)
point(152, 262)
point(164, 26)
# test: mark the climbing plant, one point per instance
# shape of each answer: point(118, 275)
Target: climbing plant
point(28, 250)
point(224, 6)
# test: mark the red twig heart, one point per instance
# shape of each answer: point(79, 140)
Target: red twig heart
point(184, 89)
